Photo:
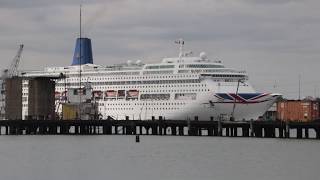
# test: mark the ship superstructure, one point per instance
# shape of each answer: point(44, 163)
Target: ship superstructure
point(178, 88)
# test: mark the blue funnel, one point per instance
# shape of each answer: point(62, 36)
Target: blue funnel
point(86, 52)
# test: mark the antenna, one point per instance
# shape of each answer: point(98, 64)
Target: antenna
point(299, 86)
point(80, 62)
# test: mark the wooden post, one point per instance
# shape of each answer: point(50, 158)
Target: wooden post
point(173, 130)
point(280, 132)
point(199, 131)
point(317, 133)
point(115, 129)
point(235, 134)
point(137, 138)
point(133, 128)
point(287, 130)
point(306, 133)
point(227, 131)
point(140, 130)
point(299, 133)
point(210, 131)
point(245, 132)
point(216, 131)
point(154, 130)
point(181, 131)
point(251, 128)
point(219, 127)
point(160, 128)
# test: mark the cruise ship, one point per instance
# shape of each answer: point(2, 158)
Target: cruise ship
point(185, 87)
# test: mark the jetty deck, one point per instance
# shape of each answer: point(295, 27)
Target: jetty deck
point(259, 129)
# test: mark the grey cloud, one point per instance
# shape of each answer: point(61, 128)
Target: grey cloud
point(41, 3)
point(273, 40)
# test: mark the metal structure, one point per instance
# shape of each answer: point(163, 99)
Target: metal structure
point(41, 98)
point(13, 70)
point(9, 74)
point(13, 98)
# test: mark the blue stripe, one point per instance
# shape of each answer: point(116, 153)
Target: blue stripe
point(245, 96)
point(224, 96)
point(249, 95)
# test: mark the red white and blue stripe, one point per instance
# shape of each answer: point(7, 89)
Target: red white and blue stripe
point(242, 98)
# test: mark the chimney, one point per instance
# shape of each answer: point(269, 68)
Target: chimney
point(86, 52)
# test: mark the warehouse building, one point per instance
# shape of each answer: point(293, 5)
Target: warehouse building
point(298, 110)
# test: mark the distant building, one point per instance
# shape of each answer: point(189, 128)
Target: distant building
point(298, 110)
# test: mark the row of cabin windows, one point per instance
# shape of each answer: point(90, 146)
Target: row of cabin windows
point(166, 90)
point(148, 108)
point(142, 86)
point(178, 90)
point(120, 87)
point(134, 82)
point(129, 77)
point(142, 104)
point(105, 74)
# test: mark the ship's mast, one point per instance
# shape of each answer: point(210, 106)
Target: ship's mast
point(181, 48)
point(80, 62)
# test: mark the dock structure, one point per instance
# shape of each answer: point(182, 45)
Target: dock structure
point(259, 129)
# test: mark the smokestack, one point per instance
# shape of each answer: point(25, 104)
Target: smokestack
point(86, 52)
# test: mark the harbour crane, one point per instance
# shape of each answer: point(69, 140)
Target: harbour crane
point(8, 73)
point(13, 70)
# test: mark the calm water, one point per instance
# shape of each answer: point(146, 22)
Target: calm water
point(155, 157)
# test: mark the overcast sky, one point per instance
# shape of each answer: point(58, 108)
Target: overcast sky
point(273, 40)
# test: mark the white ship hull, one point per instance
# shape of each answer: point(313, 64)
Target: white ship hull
point(204, 109)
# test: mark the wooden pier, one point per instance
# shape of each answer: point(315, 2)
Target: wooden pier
point(259, 129)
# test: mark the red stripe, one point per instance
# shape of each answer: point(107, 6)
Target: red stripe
point(259, 96)
point(237, 97)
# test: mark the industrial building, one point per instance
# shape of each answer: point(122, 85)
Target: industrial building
point(41, 102)
point(13, 98)
point(298, 110)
